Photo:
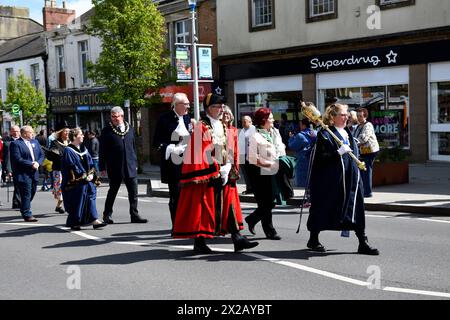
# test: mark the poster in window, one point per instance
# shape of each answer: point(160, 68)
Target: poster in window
point(183, 63)
point(387, 125)
point(204, 63)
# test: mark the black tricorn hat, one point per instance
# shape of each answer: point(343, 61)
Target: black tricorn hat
point(212, 98)
point(61, 125)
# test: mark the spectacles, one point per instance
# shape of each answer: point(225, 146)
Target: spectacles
point(117, 116)
point(187, 104)
point(217, 106)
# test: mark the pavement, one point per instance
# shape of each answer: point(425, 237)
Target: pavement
point(428, 190)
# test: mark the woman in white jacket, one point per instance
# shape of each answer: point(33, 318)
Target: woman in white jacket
point(265, 147)
point(368, 148)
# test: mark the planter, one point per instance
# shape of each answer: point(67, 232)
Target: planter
point(387, 173)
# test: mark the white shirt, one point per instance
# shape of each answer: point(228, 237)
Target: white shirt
point(181, 129)
point(30, 147)
point(122, 127)
point(344, 135)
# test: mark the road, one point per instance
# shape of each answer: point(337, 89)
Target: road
point(124, 261)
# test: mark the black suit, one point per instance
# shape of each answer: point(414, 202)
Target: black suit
point(170, 171)
point(118, 157)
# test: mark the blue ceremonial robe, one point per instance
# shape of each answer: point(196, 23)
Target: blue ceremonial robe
point(337, 201)
point(79, 198)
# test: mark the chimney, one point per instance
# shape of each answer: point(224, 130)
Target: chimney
point(54, 16)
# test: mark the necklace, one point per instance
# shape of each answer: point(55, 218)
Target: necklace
point(127, 128)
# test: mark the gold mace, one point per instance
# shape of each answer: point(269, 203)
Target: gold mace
point(311, 112)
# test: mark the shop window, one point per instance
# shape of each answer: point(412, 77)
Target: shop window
point(388, 108)
point(440, 120)
point(261, 15)
point(318, 10)
point(83, 52)
point(34, 70)
point(284, 106)
point(390, 4)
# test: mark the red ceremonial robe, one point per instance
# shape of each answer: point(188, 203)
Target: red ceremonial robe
point(231, 202)
point(195, 215)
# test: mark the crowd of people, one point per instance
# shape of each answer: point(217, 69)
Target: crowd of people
point(201, 161)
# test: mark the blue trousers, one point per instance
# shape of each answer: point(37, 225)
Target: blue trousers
point(27, 190)
point(369, 159)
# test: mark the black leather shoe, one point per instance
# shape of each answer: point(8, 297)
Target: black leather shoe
point(273, 236)
point(138, 219)
point(99, 225)
point(30, 219)
point(251, 226)
point(75, 228)
point(60, 210)
point(108, 220)
point(244, 243)
point(201, 247)
point(365, 248)
point(315, 246)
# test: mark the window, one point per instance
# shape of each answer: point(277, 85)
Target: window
point(318, 10)
point(389, 4)
point(60, 59)
point(84, 58)
point(9, 72)
point(388, 108)
point(35, 78)
point(183, 31)
point(440, 120)
point(261, 14)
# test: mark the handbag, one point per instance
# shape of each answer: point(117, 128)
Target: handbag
point(366, 149)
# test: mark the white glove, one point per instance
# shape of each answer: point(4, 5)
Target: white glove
point(345, 148)
point(176, 149)
point(89, 177)
point(224, 171)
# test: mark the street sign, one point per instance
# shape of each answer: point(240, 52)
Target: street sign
point(15, 109)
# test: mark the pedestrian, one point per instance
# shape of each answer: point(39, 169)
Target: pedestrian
point(14, 134)
point(118, 158)
point(93, 146)
point(337, 201)
point(171, 137)
point(26, 157)
point(248, 129)
point(368, 148)
point(41, 138)
point(302, 143)
point(352, 121)
point(265, 149)
point(205, 209)
point(79, 183)
point(55, 154)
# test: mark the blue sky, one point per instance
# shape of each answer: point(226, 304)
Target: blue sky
point(35, 6)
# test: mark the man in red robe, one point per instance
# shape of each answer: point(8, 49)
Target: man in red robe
point(204, 173)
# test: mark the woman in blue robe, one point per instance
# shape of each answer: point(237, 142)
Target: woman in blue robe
point(79, 184)
point(337, 201)
point(302, 143)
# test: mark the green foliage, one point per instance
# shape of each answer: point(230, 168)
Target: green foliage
point(133, 46)
point(21, 91)
point(394, 154)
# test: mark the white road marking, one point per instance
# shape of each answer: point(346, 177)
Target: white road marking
point(28, 224)
point(421, 292)
point(407, 218)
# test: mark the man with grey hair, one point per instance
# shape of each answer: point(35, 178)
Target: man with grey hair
point(26, 156)
point(117, 157)
point(171, 136)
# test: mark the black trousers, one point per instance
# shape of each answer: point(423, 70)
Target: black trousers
point(262, 190)
point(16, 202)
point(132, 188)
point(174, 195)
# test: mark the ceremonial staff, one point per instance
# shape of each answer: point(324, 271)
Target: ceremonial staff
point(311, 112)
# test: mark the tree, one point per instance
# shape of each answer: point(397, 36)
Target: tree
point(31, 101)
point(133, 45)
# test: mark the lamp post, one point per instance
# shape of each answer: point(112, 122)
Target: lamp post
point(192, 5)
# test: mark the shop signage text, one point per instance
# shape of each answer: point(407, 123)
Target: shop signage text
point(374, 60)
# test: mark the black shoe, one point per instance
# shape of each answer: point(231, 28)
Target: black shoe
point(243, 243)
point(60, 210)
point(201, 247)
point(247, 192)
point(251, 226)
point(138, 219)
point(99, 225)
point(107, 219)
point(75, 228)
point(364, 248)
point(315, 246)
point(273, 236)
